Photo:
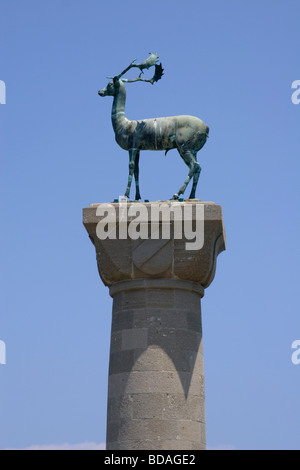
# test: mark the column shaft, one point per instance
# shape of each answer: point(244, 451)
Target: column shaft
point(156, 375)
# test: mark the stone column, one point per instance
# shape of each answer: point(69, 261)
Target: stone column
point(156, 374)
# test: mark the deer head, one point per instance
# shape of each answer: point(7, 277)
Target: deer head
point(110, 89)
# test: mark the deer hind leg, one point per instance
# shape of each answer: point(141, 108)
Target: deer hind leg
point(195, 179)
point(132, 158)
point(136, 177)
point(192, 163)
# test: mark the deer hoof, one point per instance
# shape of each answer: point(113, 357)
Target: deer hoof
point(175, 197)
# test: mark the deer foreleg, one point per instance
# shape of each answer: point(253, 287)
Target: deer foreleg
point(132, 157)
point(136, 177)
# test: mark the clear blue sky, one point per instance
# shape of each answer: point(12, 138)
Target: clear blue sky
point(232, 64)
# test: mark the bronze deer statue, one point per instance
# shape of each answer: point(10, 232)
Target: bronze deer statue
point(186, 133)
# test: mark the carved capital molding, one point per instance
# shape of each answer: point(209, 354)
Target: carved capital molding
point(150, 258)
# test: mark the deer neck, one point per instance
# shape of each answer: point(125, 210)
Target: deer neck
point(118, 109)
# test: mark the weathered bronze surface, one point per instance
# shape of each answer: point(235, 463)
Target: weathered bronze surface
point(187, 134)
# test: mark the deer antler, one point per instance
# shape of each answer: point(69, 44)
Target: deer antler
point(126, 70)
point(159, 71)
point(150, 62)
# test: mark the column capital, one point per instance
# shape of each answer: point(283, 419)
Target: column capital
point(156, 258)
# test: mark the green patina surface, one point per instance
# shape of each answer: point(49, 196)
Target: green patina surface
point(187, 134)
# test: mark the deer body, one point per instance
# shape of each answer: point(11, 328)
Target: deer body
point(186, 133)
